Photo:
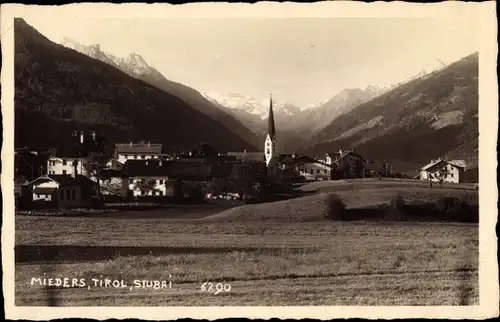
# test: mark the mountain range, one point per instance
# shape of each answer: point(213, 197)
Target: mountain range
point(58, 90)
point(295, 125)
point(432, 116)
point(68, 86)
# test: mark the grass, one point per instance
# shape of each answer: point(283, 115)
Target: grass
point(266, 262)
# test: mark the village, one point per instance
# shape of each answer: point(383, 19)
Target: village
point(91, 172)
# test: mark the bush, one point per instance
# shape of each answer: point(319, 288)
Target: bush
point(449, 205)
point(336, 209)
point(398, 202)
point(457, 210)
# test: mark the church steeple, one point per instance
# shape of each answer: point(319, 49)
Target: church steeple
point(270, 143)
point(270, 127)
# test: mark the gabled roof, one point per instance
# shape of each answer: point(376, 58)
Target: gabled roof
point(346, 153)
point(307, 159)
point(438, 161)
point(458, 163)
point(44, 190)
point(67, 153)
point(248, 156)
point(141, 147)
point(110, 173)
point(67, 180)
point(171, 168)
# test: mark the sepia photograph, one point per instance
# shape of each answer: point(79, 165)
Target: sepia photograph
point(228, 160)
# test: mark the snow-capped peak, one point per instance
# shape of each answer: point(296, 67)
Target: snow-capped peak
point(134, 64)
point(251, 105)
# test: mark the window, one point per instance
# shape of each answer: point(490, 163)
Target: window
point(135, 156)
point(160, 181)
point(268, 151)
point(64, 162)
point(311, 171)
point(73, 193)
point(64, 171)
point(451, 174)
point(143, 156)
point(317, 171)
point(62, 195)
point(326, 171)
point(67, 195)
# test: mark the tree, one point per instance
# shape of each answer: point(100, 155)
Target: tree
point(218, 186)
point(242, 179)
point(145, 186)
point(356, 168)
point(443, 173)
point(206, 150)
point(94, 165)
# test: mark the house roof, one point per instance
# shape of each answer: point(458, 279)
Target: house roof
point(307, 159)
point(44, 190)
point(171, 168)
point(67, 153)
point(141, 147)
point(222, 169)
point(248, 156)
point(185, 170)
point(346, 153)
point(67, 180)
point(456, 163)
point(110, 173)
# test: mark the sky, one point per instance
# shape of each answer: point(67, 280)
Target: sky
point(299, 60)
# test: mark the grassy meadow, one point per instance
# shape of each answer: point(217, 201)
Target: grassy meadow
point(281, 253)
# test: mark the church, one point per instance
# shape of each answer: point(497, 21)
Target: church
point(270, 152)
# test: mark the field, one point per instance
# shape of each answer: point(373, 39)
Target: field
point(268, 254)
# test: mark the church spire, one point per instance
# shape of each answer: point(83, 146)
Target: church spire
point(271, 129)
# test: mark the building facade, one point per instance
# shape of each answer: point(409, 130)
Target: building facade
point(66, 165)
point(63, 191)
point(135, 151)
point(312, 169)
point(346, 164)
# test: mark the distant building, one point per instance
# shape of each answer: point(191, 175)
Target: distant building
point(63, 191)
point(161, 178)
point(346, 164)
point(449, 171)
point(135, 151)
point(248, 156)
point(312, 169)
point(30, 163)
point(66, 162)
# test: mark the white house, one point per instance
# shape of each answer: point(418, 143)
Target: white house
point(143, 178)
point(313, 169)
point(65, 165)
point(449, 171)
point(159, 186)
point(63, 191)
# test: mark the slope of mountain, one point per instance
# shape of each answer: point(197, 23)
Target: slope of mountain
point(316, 119)
point(58, 89)
point(429, 117)
point(135, 66)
